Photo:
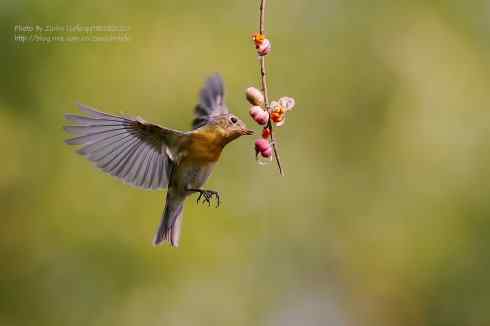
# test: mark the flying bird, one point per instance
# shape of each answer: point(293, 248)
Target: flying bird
point(149, 156)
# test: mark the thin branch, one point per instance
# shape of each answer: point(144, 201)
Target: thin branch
point(263, 80)
point(262, 16)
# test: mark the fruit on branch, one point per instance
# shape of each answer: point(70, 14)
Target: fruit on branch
point(263, 147)
point(259, 115)
point(266, 133)
point(279, 109)
point(262, 44)
point(254, 96)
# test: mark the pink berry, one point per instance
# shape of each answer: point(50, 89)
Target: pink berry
point(254, 111)
point(261, 145)
point(264, 48)
point(262, 117)
point(267, 152)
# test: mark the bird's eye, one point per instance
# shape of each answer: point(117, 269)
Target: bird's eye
point(233, 120)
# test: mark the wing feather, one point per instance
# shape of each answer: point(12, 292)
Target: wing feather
point(128, 148)
point(211, 102)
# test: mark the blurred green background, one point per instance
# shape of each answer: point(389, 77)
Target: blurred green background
point(382, 218)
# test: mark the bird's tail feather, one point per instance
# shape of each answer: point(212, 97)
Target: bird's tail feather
point(169, 229)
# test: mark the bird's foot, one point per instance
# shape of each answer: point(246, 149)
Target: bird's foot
point(207, 196)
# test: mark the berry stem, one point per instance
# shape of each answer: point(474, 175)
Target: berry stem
point(263, 80)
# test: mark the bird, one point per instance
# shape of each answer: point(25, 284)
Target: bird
point(149, 156)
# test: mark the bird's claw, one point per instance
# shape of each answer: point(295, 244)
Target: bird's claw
point(207, 196)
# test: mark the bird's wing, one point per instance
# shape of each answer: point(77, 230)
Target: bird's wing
point(211, 101)
point(131, 149)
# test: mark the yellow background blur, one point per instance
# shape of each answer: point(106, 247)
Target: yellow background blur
point(383, 217)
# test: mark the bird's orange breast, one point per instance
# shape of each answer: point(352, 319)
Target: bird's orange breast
point(205, 146)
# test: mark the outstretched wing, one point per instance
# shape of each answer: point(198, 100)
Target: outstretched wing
point(128, 148)
point(211, 101)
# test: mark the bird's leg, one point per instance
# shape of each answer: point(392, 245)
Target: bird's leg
point(207, 194)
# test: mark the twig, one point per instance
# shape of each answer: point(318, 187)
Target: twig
point(263, 80)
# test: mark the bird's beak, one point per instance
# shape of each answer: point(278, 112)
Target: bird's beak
point(247, 132)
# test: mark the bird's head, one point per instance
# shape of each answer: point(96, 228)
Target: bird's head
point(213, 116)
point(230, 126)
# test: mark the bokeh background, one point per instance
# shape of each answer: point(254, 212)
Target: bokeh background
point(383, 217)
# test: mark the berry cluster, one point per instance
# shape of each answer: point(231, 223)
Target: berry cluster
point(261, 115)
